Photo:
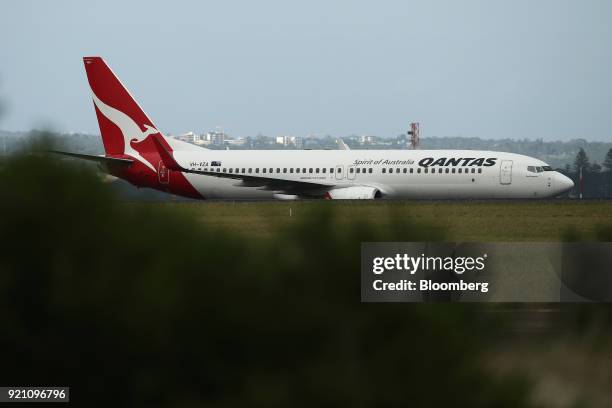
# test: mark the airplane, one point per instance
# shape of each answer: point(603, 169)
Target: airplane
point(136, 151)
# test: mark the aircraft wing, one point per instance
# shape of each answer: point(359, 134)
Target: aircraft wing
point(289, 187)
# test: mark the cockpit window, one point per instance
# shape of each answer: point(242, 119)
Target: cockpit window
point(538, 169)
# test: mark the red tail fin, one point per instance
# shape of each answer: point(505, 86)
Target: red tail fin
point(127, 133)
point(121, 119)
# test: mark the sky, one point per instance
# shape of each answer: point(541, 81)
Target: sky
point(489, 69)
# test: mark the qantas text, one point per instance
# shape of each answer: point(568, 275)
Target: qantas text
point(430, 161)
point(458, 161)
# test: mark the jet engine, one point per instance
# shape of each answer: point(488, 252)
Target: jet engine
point(354, 193)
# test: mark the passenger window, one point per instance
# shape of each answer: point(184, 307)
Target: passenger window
point(440, 170)
point(218, 170)
point(263, 170)
point(291, 170)
point(271, 170)
point(384, 170)
point(257, 170)
point(278, 170)
point(447, 170)
point(324, 169)
point(453, 171)
point(224, 171)
point(310, 170)
point(297, 170)
point(317, 170)
point(304, 170)
point(237, 170)
point(370, 170)
point(479, 170)
point(473, 170)
point(411, 170)
point(331, 169)
point(284, 170)
point(426, 170)
point(459, 171)
point(419, 170)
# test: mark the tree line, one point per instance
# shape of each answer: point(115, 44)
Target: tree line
point(596, 178)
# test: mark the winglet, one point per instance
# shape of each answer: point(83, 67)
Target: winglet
point(342, 145)
point(165, 155)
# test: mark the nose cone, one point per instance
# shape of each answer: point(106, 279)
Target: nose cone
point(563, 183)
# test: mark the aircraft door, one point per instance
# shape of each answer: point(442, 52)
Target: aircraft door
point(350, 172)
point(163, 173)
point(505, 172)
point(339, 172)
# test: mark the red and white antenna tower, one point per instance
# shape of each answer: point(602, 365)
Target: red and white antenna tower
point(414, 135)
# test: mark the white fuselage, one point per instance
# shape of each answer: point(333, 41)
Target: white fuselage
point(396, 174)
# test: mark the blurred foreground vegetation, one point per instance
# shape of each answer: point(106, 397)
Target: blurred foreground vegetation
point(140, 304)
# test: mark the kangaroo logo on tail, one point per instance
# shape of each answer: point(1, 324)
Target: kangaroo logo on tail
point(130, 130)
point(123, 124)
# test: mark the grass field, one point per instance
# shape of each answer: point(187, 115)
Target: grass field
point(483, 221)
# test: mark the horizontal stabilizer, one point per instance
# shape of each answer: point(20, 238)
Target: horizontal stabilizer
point(94, 157)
